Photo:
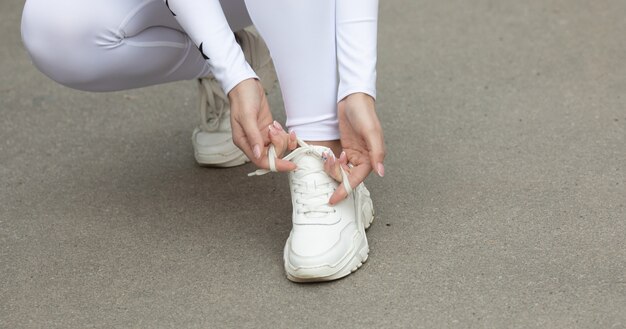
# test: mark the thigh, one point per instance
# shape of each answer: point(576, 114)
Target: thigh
point(108, 45)
point(87, 18)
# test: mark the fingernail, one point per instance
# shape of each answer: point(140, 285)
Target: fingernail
point(343, 156)
point(277, 125)
point(292, 135)
point(272, 130)
point(381, 170)
point(257, 151)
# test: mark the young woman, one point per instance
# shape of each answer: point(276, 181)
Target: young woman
point(325, 58)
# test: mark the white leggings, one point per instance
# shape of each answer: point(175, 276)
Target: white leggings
point(109, 45)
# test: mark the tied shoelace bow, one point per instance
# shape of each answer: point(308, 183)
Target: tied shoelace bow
point(311, 201)
point(212, 104)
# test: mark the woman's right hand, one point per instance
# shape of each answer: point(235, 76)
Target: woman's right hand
point(250, 118)
point(362, 142)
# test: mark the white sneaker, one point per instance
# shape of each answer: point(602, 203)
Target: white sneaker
point(212, 139)
point(326, 242)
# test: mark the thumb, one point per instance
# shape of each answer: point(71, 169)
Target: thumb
point(376, 146)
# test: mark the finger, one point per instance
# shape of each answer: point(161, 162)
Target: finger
point(293, 141)
point(278, 126)
point(239, 139)
point(285, 166)
point(357, 176)
point(376, 146)
point(263, 162)
point(281, 165)
point(252, 134)
point(331, 166)
point(336, 167)
point(279, 139)
point(343, 158)
point(242, 142)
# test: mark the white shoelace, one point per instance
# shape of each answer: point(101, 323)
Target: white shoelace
point(310, 200)
point(212, 104)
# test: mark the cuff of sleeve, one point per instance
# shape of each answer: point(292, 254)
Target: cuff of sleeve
point(235, 78)
point(347, 91)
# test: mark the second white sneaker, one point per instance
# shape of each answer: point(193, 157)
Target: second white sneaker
point(212, 139)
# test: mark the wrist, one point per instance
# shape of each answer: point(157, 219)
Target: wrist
point(360, 99)
point(241, 84)
point(243, 89)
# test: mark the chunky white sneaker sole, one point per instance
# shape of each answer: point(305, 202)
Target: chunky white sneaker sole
point(353, 258)
point(222, 155)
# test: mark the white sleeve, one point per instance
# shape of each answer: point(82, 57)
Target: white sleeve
point(357, 27)
point(206, 25)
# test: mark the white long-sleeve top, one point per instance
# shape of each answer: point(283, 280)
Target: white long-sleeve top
point(356, 37)
point(206, 25)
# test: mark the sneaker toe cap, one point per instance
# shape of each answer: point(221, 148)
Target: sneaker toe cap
point(311, 247)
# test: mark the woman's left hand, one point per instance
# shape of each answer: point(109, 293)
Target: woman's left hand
point(362, 141)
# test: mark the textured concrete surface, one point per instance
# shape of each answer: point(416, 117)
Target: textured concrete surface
point(503, 207)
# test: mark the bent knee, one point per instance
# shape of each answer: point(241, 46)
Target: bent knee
point(61, 45)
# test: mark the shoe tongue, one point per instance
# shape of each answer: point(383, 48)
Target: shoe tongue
point(312, 166)
point(310, 160)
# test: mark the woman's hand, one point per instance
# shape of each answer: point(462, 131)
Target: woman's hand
point(282, 140)
point(362, 141)
point(250, 118)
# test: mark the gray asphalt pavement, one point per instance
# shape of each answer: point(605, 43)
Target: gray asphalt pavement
point(504, 204)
